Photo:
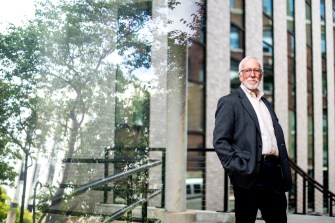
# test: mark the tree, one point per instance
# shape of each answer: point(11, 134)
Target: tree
point(18, 122)
point(80, 41)
point(73, 90)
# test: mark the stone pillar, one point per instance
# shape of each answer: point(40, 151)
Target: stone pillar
point(176, 133)
point(280, 59)
point(159, 51)
point(330, 91)
point(11, 216)
point(317, 100)
point(254, 28)
point(217, 85)
point(301, 98)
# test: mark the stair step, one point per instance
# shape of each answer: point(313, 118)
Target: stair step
point(214, 217)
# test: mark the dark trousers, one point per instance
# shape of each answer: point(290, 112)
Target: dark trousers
point(266, 195)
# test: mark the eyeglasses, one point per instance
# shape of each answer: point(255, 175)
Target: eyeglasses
point(249, 70)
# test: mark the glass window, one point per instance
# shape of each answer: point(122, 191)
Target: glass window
point(323, 41)
point(234, 79)
point(234, 37)
point(188, 189)
point(236, 4)
point(232, 4)
point(322, 9)
point(267, 41)
point(197, 189)
point(101, 79)
point(196, 62)
point(195, 107)
point(308, 24)
point(291, 45)
point(267, 7)
point(290, 8)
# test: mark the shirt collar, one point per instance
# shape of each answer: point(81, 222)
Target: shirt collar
point(259, 93)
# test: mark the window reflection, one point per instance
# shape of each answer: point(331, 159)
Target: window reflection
point(236, 38)
point(268, 78)
point(323, 40)
point(290, 8)
point(267, 7)
point(237, 41)
point(98, 82)
point(322, 10)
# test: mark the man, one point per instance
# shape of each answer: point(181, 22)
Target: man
point(250, 145)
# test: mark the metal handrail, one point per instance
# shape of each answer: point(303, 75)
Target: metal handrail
point(294, 166)
point(100, 182)
point(125, 209)
point(316, 184)
point(105, 180)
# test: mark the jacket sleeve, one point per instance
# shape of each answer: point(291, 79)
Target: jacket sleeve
point(232, 158)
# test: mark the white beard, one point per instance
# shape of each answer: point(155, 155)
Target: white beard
point(251, 86)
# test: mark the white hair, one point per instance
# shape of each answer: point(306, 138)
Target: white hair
point(245, 59)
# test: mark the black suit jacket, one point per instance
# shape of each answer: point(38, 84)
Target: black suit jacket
point(238, 143)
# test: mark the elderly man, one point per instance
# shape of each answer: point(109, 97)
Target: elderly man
point(251, 147)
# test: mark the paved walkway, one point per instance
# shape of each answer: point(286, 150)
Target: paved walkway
point(295, 218)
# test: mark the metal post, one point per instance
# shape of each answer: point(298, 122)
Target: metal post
point(145, 185)
point(24, 186)
point(304, 196)
point(163, 178)
point(331, 203)
point(106, 174)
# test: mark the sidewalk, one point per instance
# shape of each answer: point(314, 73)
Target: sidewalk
point(295, 218)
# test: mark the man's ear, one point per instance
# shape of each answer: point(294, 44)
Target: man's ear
point(240, 76)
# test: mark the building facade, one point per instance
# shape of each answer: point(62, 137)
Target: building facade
point(176, 59)
point(295, 41)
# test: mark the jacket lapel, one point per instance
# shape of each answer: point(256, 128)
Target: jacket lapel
point(248, 107)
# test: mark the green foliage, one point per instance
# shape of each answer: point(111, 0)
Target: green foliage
point(44, 197)
point(59, 77)
point(27, 216)
point(4, 206)
point(18, 52)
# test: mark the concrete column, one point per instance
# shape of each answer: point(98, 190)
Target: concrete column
point(280, 59)
point(301, 97)
point(217, 85)
point(330, 91)
point(254, 28)
point(11, 215)
point(317, 100)
point(159, 51)
point(158, 97)
point(176, 135)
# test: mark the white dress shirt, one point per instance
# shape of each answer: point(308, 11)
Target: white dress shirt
point(269, 141)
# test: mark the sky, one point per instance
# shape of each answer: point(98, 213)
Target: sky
point(15, 11)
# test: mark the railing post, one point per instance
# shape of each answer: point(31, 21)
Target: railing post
point(34, 201)
point(163, 178)
point(106, 174)
point(145, 186)
point(304, 196)
point(129, 196)
point(331, 204)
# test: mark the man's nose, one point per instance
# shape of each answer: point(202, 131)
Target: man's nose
point(252, 74)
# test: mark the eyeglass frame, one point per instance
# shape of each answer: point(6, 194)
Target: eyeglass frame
point(256, 71)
